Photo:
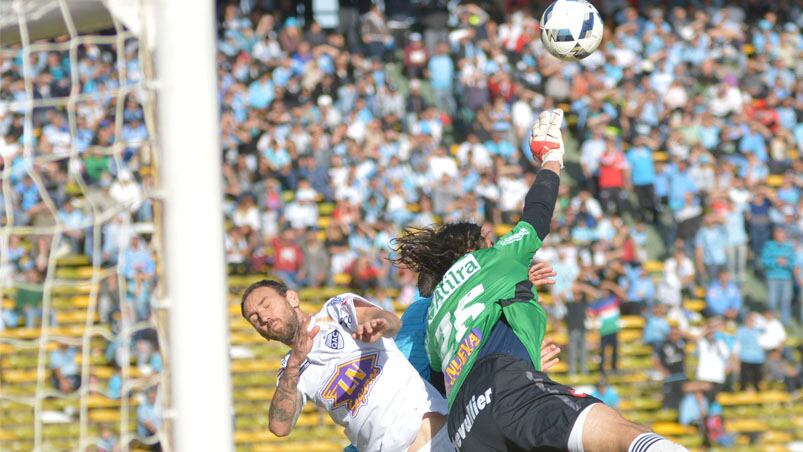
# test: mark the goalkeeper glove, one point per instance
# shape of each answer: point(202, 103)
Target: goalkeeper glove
point(546, 141)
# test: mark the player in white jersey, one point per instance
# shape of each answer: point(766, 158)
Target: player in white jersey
point(344, 360)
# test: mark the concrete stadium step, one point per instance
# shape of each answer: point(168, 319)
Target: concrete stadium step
point(73, 260)
point(673, 429)
point(753, 398)
point(75, 331)
point(78, 273)
point(247, 366)
point(75, 317)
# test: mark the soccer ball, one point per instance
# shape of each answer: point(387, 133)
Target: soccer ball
point(571, 29)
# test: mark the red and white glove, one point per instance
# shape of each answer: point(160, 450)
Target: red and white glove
point(546, 141)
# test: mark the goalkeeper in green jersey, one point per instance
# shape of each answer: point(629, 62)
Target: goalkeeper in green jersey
point(485, 328)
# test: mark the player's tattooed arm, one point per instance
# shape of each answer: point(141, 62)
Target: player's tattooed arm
point(285, 407)
point(374, 323)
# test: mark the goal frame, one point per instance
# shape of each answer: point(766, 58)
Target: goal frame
point(201, 410)
point(180, 35)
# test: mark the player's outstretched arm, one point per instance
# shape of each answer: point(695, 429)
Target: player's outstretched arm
point(285, 407)
point(546, 145)
point(374, 323)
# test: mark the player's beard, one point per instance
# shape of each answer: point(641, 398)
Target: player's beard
point(288, 333)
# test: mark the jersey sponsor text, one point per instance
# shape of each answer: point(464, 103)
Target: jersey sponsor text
point(350, 383)
point(454, 278)
point(475, 405)
point(466, 348)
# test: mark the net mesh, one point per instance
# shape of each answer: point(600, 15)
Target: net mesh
point(81, 337)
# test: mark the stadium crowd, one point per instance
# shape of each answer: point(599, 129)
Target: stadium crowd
point(688, 127)
point(80, 166)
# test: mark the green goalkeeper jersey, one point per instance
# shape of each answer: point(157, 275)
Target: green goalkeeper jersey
point(471, 298)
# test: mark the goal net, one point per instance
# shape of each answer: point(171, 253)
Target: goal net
point(113, 317)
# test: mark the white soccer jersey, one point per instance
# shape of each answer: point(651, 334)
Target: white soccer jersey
point(369, 389)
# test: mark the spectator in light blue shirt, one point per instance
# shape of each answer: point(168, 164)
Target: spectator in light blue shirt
point(737, 241)
point(138, 261)
point(786, 113)
point(708, 132)
point(261, 92)
point(753, 142)
point(441, 74)
point(282, 74)
point(663, 178)
point(498, 145)
point(640, 287)
point(75, 222)
point(680, 183)
point(134, 134)
point(641, 164)
point(657, 327)
point(695, 408)
point(710, 243)
point(751, 353)
point(114, 388)
point(149, 414)
point(278, 157)
point(789, 193)
point(28, 193)
point(778, 260)
point(642, 173)
point(66, 373)
point(606, 393)
point(107, 441)
point(723, 297)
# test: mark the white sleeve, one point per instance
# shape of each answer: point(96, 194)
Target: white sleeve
point(341, 309)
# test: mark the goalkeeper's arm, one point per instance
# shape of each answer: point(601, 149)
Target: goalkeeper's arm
point(546, 144)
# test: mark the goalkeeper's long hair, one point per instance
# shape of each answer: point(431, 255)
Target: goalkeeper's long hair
point(431, 251)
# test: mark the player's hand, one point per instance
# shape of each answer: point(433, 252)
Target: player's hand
point(546, 140)
point(302, 342)
point(549, 354)
point(541, 274)
point(370, 330)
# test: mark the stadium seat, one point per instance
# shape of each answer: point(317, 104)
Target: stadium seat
point(694, 305)
point(342, 279)
point(673, 429)
point(73, 260)
point(502, 229)
point(654, 267)
point(746, 425)
point(104, 416)
point(631, 321)
point(326, 208)
point(630, 335)
point(775, 180)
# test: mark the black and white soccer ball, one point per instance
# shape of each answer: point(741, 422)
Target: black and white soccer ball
point(571, 29)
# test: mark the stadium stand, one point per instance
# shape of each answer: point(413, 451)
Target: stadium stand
point(685, 138)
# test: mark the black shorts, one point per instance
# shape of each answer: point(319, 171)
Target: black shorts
point(506, 405)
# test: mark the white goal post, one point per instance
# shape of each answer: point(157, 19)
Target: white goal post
point(189, 132)
point(182, 89)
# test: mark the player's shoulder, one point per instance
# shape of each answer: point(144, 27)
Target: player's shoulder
point(521, 231)
point(418, 308)
point(342, 309)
